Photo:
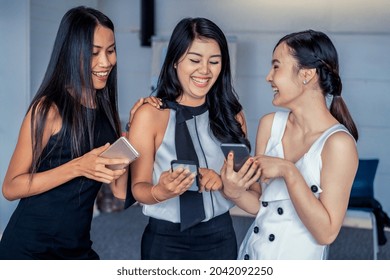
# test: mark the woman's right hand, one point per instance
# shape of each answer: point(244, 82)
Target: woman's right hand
point(152, 100)
point(93, 166)
point(173, 183)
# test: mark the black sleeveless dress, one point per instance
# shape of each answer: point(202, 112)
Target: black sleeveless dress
point(56, 224)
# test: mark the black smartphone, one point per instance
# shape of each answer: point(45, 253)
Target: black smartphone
point(121, 148)
point(188, 164)
point(240, 151)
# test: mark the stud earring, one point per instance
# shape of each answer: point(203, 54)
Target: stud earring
point(304, 82)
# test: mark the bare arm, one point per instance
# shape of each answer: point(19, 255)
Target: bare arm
point(322, 217)
point(147, 130)
point(19, 182)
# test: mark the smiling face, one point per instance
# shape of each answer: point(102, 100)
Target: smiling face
point(284, 77)
point(197, 70)
point(103, 56)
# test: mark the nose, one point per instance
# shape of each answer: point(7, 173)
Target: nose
point(104, 61)
point(268, 78)
point(204, 68)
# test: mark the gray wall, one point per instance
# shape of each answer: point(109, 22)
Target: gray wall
point(359, 29)
point(14, 81)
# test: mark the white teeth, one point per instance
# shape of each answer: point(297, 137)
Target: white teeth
point(200, 81)
point(100, 74)
point(275, 90)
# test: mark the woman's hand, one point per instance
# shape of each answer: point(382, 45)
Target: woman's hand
point(173, 183)
point(93, 166)
point(209, 180)
point(236, 183)
point(272, 167)
point(152, 100)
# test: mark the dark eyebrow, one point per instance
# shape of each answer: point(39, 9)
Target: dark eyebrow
point(215, 55)
point(100, 47)
point(275, 61)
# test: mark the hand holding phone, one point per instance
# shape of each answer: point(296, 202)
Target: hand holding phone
point(190, 165)
point(121, 148)
point(240, 151)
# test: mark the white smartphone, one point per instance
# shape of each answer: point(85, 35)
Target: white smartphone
point(187, 164)
point(121, 148)
point(240, 151)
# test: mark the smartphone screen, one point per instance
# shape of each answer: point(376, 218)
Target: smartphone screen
point(192, 166)
point(240, 151)
point(121, 148)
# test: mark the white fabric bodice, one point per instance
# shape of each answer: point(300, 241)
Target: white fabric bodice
point(277, 232)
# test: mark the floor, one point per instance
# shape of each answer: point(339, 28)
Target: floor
point(117, 236)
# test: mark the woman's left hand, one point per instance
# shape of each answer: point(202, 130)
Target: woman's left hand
point(152, 100)
point(209, 180)
point(236, 183)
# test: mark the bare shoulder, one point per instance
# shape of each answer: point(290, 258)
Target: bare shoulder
point(340, 147)
point(147, 117)
point(267, 120)
point(147, 112)
point(265, 125)
point(53, 121)
point(339, 141)
point(147, 130)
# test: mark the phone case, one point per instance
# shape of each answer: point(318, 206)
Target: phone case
point(240, 151)
point(121, 148)
point(192, 166)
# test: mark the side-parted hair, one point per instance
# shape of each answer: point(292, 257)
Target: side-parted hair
point(222, 99)
point(314, 49)
point(68, 75)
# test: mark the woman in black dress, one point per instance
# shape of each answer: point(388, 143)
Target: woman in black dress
point(56, 170)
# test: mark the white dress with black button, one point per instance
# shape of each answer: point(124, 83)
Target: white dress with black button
point(277, 232)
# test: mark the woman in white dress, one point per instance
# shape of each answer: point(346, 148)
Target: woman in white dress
point(306, 156)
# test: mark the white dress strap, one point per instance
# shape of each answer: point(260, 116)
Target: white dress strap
point(276, 189)
point(279, 126)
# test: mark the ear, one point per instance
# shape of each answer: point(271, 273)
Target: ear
point(307, 74)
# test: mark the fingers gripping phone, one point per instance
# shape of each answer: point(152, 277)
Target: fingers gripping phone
point(240, 151)
point(187, 164)
point(121, 148)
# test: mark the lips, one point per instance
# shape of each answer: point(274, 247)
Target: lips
point(200, 81)
point(100, 74)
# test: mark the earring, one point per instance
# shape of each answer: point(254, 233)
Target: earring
point(304, 82)
point(175, 65)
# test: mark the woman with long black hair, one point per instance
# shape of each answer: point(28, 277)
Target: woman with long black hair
point(201, 112)
point(56, 170)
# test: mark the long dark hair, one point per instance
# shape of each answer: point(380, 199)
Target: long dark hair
point(314, 49)
point(69, 74)
point(222, 99)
